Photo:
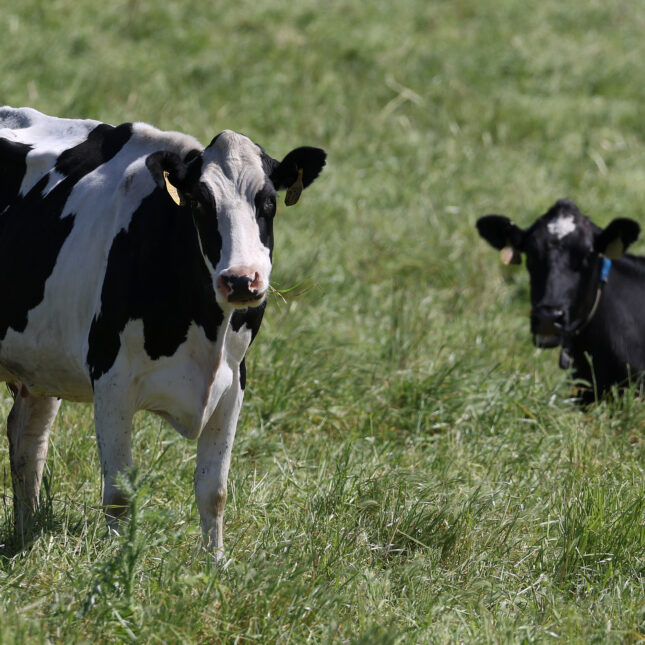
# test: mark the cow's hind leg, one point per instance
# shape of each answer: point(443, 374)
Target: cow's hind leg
point(28, 427)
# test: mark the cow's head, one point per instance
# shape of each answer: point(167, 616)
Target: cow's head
point(231, 187)
point(563, 251)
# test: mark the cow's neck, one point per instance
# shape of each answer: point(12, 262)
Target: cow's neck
point(592, 297)
point(599, 346)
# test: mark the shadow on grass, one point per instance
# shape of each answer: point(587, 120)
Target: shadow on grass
point(44, 521)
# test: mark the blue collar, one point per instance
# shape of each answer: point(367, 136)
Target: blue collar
point(605, 269)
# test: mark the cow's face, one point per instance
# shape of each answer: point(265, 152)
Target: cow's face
point(563, 251)
point(231, 189)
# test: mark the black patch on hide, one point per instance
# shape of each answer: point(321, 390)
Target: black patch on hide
point(155, 273)
point(32, 231)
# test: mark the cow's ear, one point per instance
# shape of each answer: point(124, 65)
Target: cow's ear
point(297, 170)
point(502, 234)
point(615, 238)
point(180, 177)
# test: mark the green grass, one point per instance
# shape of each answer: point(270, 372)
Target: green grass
point(408, 468)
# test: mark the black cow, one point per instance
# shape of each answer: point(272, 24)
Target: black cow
point(586, 296)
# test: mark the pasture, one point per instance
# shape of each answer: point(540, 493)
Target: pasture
point(408, 467)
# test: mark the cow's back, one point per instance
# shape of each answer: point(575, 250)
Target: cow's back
point(72, 186)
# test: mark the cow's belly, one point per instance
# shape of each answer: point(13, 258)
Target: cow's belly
point(46, 369)
point(49, 354)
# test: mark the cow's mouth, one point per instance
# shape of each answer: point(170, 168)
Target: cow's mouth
point(546, 342)
point(546, 333)
point(247, 302)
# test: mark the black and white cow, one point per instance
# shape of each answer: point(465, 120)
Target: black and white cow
point(586, 296)
point(134, 266)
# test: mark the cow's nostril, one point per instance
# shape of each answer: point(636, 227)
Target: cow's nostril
point(556, 315)
point(549, 314)
point(255, 283)
point(224, 285)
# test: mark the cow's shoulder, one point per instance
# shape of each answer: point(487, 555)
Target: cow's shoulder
point(35, 145)
point(150, 139)
point(155, 271)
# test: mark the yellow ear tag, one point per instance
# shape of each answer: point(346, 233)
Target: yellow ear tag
point(615, 249)
point(294, 191)
point(509, 255)
point(172, 191)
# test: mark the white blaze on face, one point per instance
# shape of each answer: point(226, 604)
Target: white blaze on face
point(234, 174)
point(561, 226)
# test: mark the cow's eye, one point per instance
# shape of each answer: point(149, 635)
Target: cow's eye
point(205, 198)
point(579, 261)
point(269, 206)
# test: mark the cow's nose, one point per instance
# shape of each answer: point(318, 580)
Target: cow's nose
point(547, 321)
point(549, 313)
point(240, 287)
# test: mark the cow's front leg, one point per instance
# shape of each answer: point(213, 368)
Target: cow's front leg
point(28, 426)
point(214, 448)
point(113, 424)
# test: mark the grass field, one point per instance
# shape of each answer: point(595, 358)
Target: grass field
point(408, 468)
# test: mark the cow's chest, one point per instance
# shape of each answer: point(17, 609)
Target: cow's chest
point(184, 388)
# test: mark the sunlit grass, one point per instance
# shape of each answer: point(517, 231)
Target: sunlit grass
point(408, 468)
